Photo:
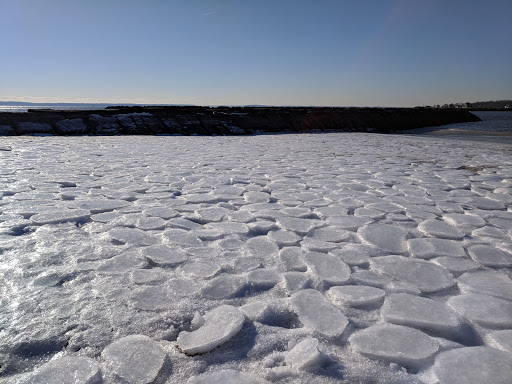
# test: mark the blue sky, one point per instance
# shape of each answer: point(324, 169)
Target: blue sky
point(332, 53)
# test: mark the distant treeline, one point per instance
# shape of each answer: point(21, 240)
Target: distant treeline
point(478, 105)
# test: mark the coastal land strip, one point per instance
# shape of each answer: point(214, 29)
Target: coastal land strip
point(191, 120)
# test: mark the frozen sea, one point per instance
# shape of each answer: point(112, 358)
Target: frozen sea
point(311, 258)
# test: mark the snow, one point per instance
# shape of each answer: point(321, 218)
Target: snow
point(267, 258)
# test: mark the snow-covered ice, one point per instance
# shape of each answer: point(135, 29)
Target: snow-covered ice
point(315, 258)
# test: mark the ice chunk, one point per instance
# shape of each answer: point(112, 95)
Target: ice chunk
point(136, 359)
point(356, 295)
point(456, 265)
point(405, 346)
point(356, 254)
point(295, 281)
point(300, 226)
point(440, 229)
point(262, 278)
point(490, 256)
point(328, 268)
point(284, 238)
point(60, 216)
point(306, 355)
point(331, 234)
point(220, 325)
point(262, 246)
point(149, 276)
point(164, 255)
point(81, 369)
point(419, 312)
point(315, 312)
point(369, 213)
point(502, 339)
point(484, 310)
point(426, 276)
point(227, 376)
point(427, 248)
point(473, 365)
point(293, 258)
point(371, 279)
point(225, 287)
point(487, 282)
point(463, 221)
point(390, 238)
point(162, 212)
point(212, 214)
point(182, 237)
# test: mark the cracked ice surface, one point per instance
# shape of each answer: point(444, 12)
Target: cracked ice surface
point(265, 259)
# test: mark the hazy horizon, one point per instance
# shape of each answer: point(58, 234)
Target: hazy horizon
point(330, 53)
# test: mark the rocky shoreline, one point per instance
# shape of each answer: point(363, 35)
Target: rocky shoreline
point(185, 120)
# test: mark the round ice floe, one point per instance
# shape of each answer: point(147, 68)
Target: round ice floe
point(420, 312)
point(81, 370)
point(369, 213)
point(162, 212)
point(389, 238)
point(262, 278)
point(227, 376)
point(220, 325)
point(464, 221)
point(484, 310)
point(284, 238)
point(136, 359)
point(314, 245)
point(328, 268)
point(316, 312)
point(473, 365)
point(293, 259)
point(225, 287)
point(405, 346)
point(295, 281)
point(330, 234)
point(356, 254)
point(60, 216)
point(211, 214)
point(262, 246)
point(356, 295)
point(164, 255)
point(427, 248)
point(440, 229)
point(489, 204)
point(306, 355)
point(350, 223)
point(487, 282)
point(490, 256)
point(182, 237)
point(425, 275)
point(489, 231)
point(456, 265)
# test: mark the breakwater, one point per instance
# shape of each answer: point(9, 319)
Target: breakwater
point(225, 120)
